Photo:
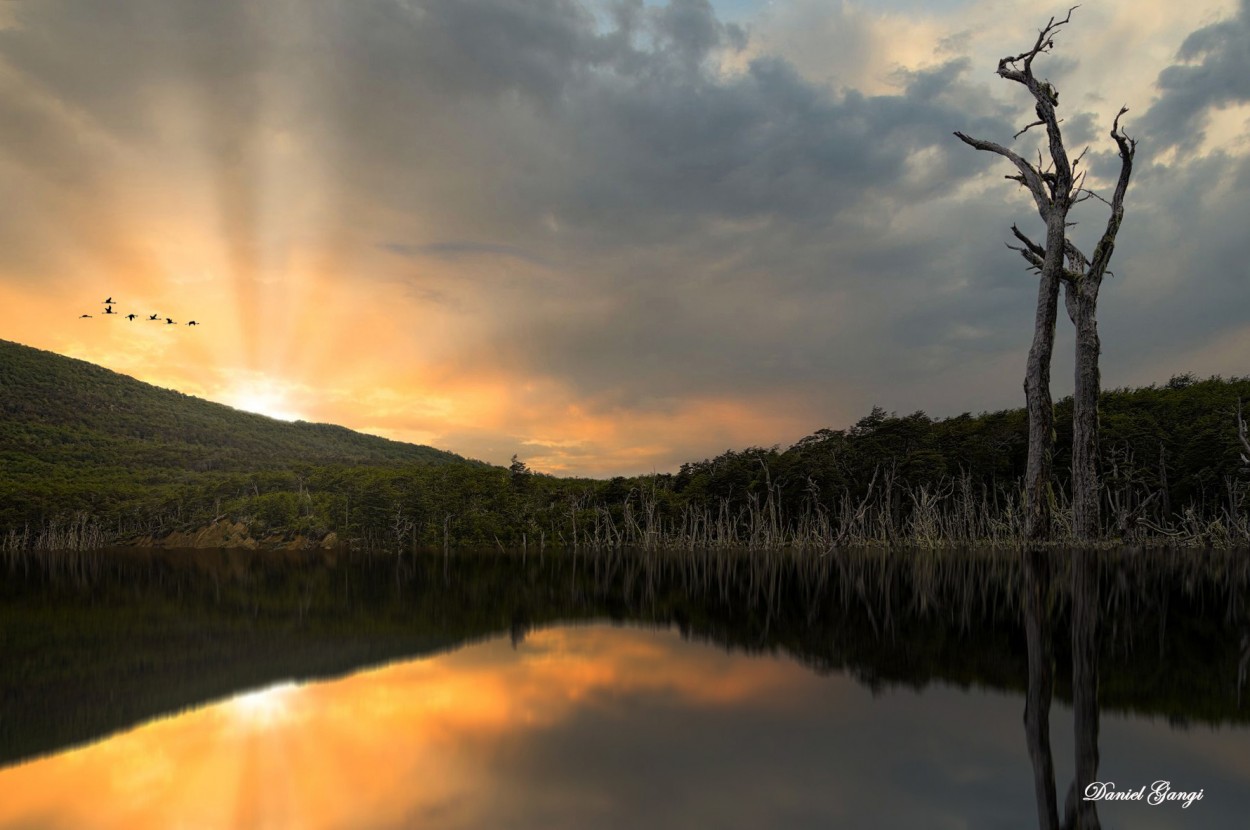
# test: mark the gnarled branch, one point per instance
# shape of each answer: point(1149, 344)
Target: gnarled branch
point(1027, 127)
point(1034, 248)
point(1029, 175)
point(1045, 42)
point(1034, 261)
point(1106, 245)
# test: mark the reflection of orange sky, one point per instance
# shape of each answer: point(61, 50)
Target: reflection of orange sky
point(387, 744)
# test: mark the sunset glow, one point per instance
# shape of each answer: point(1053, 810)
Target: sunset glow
point(263, 401)
point(606, 254)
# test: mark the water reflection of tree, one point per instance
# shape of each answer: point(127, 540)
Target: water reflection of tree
point(1037, 629)
point(1085, 645)
point(1038, 607)
point(1157, 603)
point(235, 620)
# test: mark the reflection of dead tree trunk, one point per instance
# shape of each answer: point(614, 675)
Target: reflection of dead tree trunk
point(1078, 813)
point(1081, 814)
point(1041, 685)
point(1052, 188)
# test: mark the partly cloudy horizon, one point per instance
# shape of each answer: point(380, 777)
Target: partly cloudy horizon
point(606, 236)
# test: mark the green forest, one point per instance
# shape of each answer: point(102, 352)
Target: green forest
point(90, 458)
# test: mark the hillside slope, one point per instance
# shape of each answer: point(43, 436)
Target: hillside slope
point(79, 440)
point(57, 410)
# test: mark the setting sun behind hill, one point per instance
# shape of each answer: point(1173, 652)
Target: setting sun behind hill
point(263, 401)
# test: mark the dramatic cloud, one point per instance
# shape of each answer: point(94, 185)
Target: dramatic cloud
point(609, 236)
point(1212, 73)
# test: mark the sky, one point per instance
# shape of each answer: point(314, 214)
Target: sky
point(605, 236)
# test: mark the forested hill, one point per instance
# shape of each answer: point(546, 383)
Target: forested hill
point(90, 457)
point(58, 412)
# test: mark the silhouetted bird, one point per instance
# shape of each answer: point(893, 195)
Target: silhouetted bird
point(154, 317)
point(109, 301)
point(170, 322)
point(192, 323)
point(109, 310)
point(130, 317)
point(84, 316)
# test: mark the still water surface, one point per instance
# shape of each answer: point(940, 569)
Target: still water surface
point(883, 695)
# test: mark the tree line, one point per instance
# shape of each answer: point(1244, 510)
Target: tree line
point(1169, 463)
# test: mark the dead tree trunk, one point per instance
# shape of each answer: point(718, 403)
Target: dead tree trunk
point(1241, 435)
point(1052, 189)
point(1082, 280)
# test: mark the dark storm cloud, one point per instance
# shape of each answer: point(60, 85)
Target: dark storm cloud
point(1213, 71)
point(621, 131)
point(1187, 278)
point(1180, 260)
point(706, 224)
point(111, 62)
point(764, 144)
point(706, 218)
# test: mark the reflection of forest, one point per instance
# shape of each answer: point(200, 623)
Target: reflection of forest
point(95, 642)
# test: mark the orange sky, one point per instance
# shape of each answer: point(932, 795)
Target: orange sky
point(606, 244)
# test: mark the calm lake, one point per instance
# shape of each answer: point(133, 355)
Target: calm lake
point(207, 689)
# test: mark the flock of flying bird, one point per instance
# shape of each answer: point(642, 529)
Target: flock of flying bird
point(108, 309)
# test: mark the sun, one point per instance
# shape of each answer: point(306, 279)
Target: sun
point(264, 708)
point(262, 399)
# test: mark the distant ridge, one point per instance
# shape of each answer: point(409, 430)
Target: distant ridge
point(57, 411)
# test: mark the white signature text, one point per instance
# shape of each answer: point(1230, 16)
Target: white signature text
point(1157, 793)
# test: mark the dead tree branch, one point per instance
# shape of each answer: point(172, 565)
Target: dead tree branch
point(1027, 127)
point(1030, 177)
point(1106, 245)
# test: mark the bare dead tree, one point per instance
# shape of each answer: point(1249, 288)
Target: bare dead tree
point(1082, 278)
point(1054, 192)
point(1055, 189)
point(1245, 442)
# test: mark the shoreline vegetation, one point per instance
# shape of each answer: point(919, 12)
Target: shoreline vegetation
point(93, 459)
